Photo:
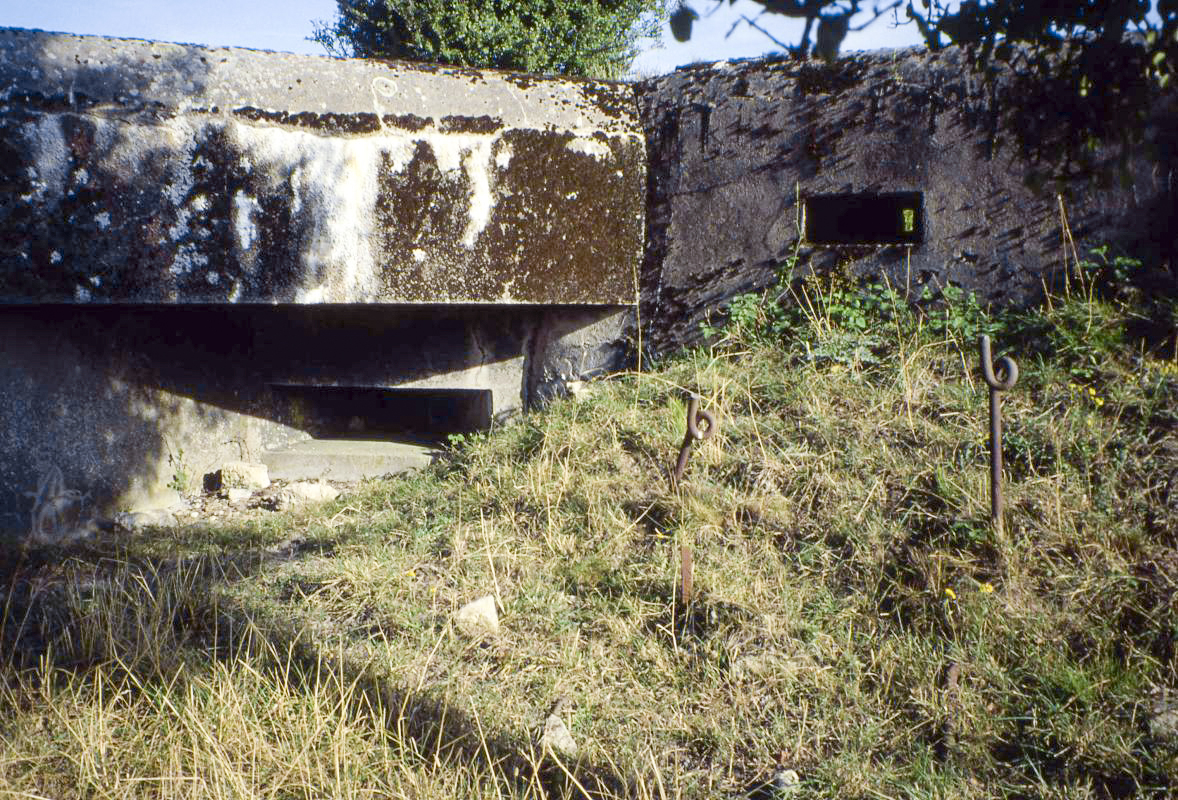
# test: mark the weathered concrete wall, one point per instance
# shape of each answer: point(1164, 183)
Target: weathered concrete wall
point(146, 172)
point(732, 147)
point(198, 245)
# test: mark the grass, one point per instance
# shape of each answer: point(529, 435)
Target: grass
point(856, 617)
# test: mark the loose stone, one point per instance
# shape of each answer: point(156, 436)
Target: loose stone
point(241, 475)
point(557, 738)
point(478, 617)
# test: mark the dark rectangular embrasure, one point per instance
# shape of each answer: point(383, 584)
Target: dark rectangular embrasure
point(379, 412)
point(892, 218)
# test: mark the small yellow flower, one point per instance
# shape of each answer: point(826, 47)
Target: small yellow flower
point(986, 588)
point(410, 573)
point(952, 595)
point(1099, 402)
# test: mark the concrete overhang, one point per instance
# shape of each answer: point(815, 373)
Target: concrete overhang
point(145, 172)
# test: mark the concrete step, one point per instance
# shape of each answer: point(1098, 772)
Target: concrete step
point(348, 459)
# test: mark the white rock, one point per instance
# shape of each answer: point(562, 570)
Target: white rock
point(311, 491)
point(137, 520)
point(478, 617)
point(1164, 724)
point(242, 475)
point(236, 495)
point(785, 781)
point(297, 494)
point(557, 738)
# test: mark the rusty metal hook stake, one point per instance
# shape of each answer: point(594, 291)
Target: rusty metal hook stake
point(1000, 377)
point(694, 417)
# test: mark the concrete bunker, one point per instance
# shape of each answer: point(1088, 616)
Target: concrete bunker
point(213, 254)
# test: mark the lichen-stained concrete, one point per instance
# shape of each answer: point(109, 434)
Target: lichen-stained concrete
point(733, 146)
point(147, 172)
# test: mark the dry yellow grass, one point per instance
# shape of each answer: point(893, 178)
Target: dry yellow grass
point(856, 620)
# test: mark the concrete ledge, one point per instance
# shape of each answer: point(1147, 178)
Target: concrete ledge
point(346, 460)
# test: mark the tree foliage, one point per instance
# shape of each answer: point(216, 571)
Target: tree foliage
point(597, 38)
point(1099, 24)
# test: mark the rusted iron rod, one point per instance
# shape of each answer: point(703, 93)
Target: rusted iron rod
point(686, 573)
point(1000, 377)
point(694, 417)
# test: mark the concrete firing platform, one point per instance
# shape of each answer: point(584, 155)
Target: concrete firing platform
point(348, 459)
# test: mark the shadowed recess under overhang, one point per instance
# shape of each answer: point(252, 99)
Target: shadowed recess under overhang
point(380, 412)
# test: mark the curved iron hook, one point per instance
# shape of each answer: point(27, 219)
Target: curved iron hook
point(1005, 367)
point(694, 417)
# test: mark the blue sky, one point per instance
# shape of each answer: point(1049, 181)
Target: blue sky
point(286, 24)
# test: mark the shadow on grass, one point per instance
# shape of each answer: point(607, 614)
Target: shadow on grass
point(43, 612)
